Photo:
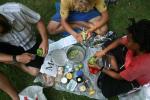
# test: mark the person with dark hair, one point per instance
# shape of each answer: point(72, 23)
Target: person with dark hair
point(18, 44)
point(74, 14)
point(137, 61)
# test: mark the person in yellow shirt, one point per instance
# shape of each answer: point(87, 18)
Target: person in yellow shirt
point(72, 14)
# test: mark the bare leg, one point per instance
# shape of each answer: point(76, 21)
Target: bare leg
point(29, 69)
point(55, 27)
point(86, 25)
point(8, 88)
point(103, 29)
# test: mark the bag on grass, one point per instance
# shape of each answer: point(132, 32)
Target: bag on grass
point(142, 94)
point(32, 93)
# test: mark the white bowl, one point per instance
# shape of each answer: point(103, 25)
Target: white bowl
point(59, 57)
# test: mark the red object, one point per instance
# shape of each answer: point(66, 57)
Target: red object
point(36, 98)
point(136, 67)
point(25, 98)
point(94, 70)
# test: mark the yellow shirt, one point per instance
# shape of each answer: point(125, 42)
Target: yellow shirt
point(68, 5)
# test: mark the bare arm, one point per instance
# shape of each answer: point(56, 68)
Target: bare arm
point(108, 48)
point(68, 28)
point(112, 74)
point(23, 58)
point(42, 30)
point(5, 58)
point(103, 21)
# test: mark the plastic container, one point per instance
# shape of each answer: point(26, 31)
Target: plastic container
point(59, 57)
point(59, 74)
point(71, 85)
point(69, 76)
point(76, 53)
point(79, 73)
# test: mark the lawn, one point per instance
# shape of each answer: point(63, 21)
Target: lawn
point(119, 15)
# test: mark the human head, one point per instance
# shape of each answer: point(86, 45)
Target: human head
point(5, 26)
point(140, 34)
point(83, 2)
point(83, 5)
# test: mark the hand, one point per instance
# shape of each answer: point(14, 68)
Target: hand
point(79, 38)
point(25, 58)
point(93, 66)
point(89, 34)
point(44, 46)
point(99, 54)
point(94, 69)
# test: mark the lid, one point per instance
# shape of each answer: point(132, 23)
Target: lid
point(64, 80)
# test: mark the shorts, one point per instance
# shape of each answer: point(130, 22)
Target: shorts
point(75, 15)
point(14, 50)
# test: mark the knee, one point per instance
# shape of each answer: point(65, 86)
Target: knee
point(34, 72)
point(107, 92)
point(102, 31)
point(51, 28)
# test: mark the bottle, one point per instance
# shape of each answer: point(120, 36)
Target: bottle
point(89, 87)
point(59, 74)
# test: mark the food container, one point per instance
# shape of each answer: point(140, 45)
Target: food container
point(82, 88)
point(69, 76)
point(59, 57)
point(79, 79)
point(76, 53)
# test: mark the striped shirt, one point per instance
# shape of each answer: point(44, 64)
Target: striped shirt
point(21, 18)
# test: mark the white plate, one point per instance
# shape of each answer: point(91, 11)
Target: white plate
point(59, 57)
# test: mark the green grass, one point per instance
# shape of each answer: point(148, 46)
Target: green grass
point(119, 15)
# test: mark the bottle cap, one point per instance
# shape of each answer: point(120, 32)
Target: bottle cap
point(64, 80)
point(79, 73)
point(69, 76)
point(79, 79)
point(82, 88)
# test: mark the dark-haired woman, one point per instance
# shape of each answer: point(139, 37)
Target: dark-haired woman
point(137, 61)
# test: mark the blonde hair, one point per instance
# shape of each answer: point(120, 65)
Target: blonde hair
point(79, 8)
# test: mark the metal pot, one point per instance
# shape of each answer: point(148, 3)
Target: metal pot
point(76, 53)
